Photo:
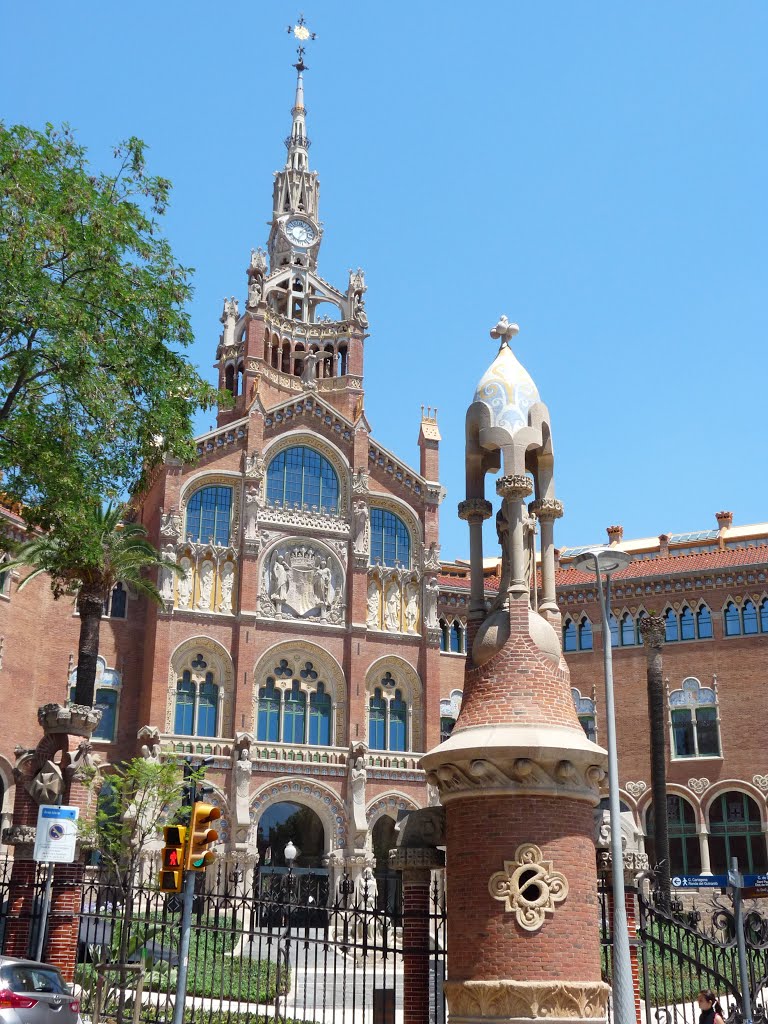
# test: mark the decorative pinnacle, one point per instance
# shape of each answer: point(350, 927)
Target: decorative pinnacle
point(302, 33)
point(504, 330)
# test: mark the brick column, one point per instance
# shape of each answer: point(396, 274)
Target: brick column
point(18, 926)
point(634, 862)
point(64, 918)
point(634, 956)
point(416, 867)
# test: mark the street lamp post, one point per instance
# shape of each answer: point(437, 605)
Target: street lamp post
point(604, 561)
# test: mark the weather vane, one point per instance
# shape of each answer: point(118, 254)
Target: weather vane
point(302, 33)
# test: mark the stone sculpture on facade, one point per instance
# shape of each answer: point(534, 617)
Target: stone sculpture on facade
point(301, 580)
point(373, 605)
point(227, 584)
point(360, 535)
point(185, 583)
point(206, 586)
point(431, 596)
point(170, 524)
point(411, 608)
point(356, 792)
point(392, 607)
point(165, 575)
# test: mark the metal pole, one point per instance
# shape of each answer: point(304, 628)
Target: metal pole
point(186, 927)
point(622, 986)
point(738, 913)
point(45, 910)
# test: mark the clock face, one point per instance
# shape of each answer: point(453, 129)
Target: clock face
point(300, 232)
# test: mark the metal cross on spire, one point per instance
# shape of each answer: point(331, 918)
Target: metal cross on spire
point(302, 34)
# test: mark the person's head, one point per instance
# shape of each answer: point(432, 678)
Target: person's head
point(708, 1001)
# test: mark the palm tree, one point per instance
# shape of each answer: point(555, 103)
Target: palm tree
point(87, 558)
point(653, 631)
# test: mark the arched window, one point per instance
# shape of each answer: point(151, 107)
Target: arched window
point(377, 721)
point(614, 627)
point(457, 637)
point(444, 636)
point(197, 700)
point(695, 731)
point(585, 709)
point(684, 848)
point(749, 617)
point(687, 625)
point(387, 718)
point(185, 706)
point(735, 830)
point(320, 717)
point(732, 620)
point(117, 602)
point(208, 707)
point(764, 615)
point(208, 515)
point(294, 714)
point(294, 706)
point(398, 723)
point(300, 477)
point(390, 540)
point(585, 635)
point(671, 626)
point(229, 378)
point(628, 637)
point(446, 727)
point(704, 623)
point(569, 635)
point(268, 726)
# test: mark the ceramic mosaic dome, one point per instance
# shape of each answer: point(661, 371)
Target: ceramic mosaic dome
point(506, 388)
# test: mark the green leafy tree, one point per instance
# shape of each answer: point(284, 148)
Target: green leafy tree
point(86, 557)
point(94, 387)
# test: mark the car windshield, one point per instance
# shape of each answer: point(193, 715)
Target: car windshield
point(21, 978)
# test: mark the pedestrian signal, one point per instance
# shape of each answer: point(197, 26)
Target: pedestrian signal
point(201, 836)
point(172, 863)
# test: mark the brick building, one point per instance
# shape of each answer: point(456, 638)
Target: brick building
point(314, 618)
point(712, 588)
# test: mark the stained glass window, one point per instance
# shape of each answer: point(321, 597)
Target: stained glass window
point(390, 540)
point(302, 478)
point(208, 515)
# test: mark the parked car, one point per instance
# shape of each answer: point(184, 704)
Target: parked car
point(35, 993)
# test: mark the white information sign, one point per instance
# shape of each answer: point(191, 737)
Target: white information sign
point(56, 834)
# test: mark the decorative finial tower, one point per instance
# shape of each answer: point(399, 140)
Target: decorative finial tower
point(518, 777)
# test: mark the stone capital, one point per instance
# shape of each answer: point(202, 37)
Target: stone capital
point(416, 864)
point(475, 508)
point(70, 719)
point(517, 486)
point(546, 508)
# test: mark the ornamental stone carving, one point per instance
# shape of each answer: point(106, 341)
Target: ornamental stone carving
point(432, 558)
point(72, 719)
point(20, 835)
point(360, 482)
point(515, 486)
point(761, 781)
point(301, 580)
point(700, 785)
point(546, 508)
point(529, 887)
point(170, 525)
point(472, 508)
point(526, 1000)
point(636, 789)
point(360, 531)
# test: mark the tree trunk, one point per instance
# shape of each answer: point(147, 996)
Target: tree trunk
point(91, 607)
point(652, 629)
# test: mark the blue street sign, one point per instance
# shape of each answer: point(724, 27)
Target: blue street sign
point(718, 881)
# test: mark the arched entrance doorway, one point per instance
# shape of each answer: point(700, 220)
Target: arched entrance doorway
point(306, 889)
point(383, 839)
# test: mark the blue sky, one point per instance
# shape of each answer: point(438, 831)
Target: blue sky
point(596, 171)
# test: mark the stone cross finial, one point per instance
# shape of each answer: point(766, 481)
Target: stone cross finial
point(504, 330)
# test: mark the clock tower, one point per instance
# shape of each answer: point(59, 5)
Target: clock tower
point(294, 239)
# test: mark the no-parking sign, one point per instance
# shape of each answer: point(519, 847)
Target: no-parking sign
point(56, 834)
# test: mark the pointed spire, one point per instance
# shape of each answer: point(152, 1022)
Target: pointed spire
point(298, 142)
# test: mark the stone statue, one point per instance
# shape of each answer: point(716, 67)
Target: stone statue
point(227, 584)
point(254, 292)
point(251, 513)
point(323, 583)
point(165, 576)
point(431, 594)
point(243, 768)
point(366, 899)
point(502, 532)
point(258, 260)
point(392, 607)
point(360, 541)
point(308, 368)
point(372, 618)
point(185, 583)
point(411, 607)
point(206, 585)
point(280, 582)
point(357, 780)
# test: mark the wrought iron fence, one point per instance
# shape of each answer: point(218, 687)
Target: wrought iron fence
point(287, 947)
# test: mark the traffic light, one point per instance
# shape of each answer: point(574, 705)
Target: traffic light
point(172, 870)
point(200, 836)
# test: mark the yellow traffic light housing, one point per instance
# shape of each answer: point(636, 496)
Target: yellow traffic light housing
point(173, 855)
point(201, 836)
